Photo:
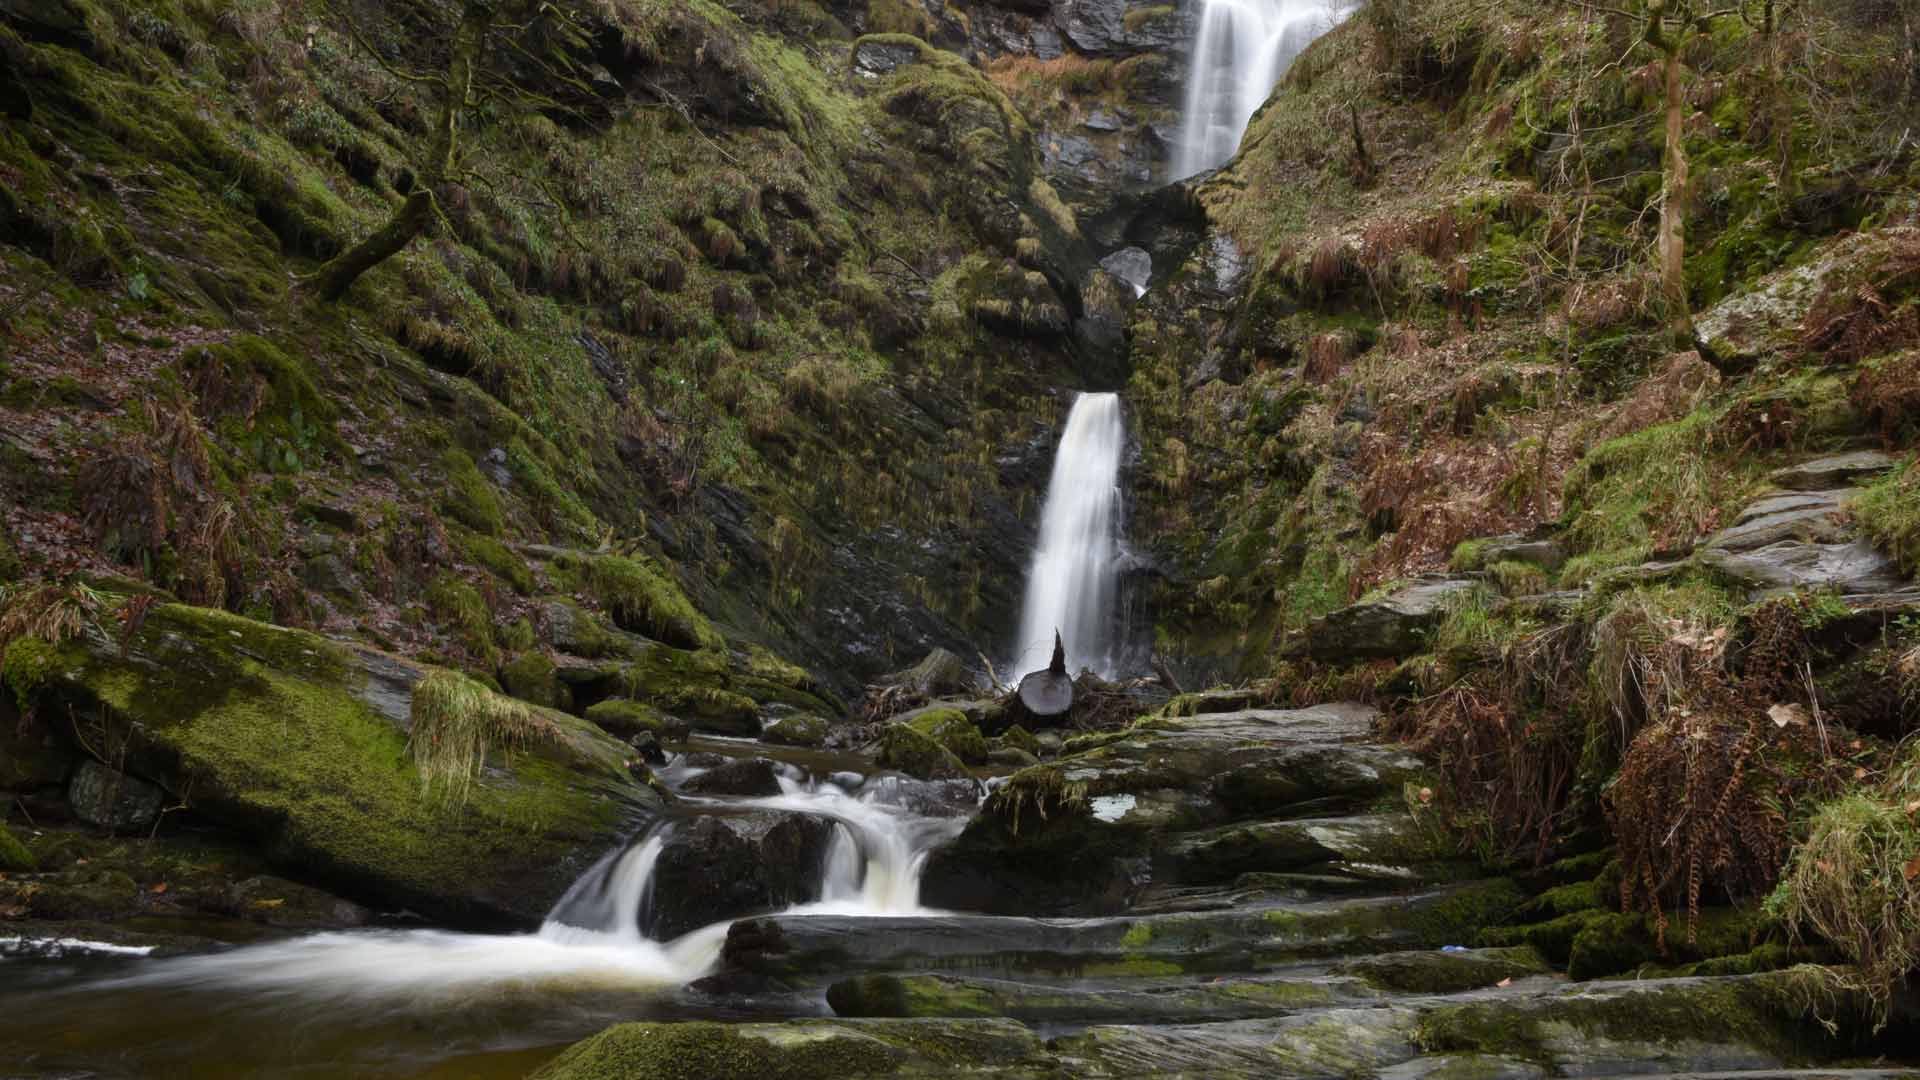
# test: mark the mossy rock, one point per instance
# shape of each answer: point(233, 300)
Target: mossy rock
point(951, 729)
point(470, 498)
point(802, 730)
point(1019, 738)
point(915, 753)
point(624, 719)
point(1445, 972)
point(533, 676)
point(14, 855)
point(800, 1050)
point(643, 599)
point(300, 744)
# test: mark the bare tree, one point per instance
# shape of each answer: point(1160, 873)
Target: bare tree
point(539, 34)
point(1668, 27)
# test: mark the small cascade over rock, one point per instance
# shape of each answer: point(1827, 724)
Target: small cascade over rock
point(1241, 50)
point(1074, 581)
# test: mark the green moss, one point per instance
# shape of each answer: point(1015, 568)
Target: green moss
point(951, 729)
point(643, 599)
point(460, 607)
point(14, 856)
point(270, 735)
point(1656, 488)
point(1020, 738)
point(26, 666)
point(1889, 512)
point(917, 754)
point(470, 497)
point(1758, 1013)
point(532, 676)
point(494, 557)
point(624, 718)
point(808, 731)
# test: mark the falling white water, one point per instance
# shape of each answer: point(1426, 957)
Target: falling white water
point(1074, 579)
point(1240, 51)
point(593, 938)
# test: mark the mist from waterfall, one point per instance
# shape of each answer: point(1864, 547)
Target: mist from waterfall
point(1074, 580)
point(1240, 51)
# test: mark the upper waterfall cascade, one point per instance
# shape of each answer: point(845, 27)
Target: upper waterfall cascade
point(1240, 51)
point(1074, 582)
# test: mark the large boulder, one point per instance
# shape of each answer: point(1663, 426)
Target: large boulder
point(723, 867)
point(1090, 832)
point(110, 799)
point(1395, 626)
point(300, 743)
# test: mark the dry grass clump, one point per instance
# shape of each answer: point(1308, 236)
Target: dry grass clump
point(457, 722)
point(1506, 741)
point(1072, 75)
point(51, 613)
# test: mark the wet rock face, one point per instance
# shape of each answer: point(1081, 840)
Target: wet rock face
point(744, 777)
point(725, 867)
point(108, 799)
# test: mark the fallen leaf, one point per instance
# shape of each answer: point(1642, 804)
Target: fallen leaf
point(1504, 982)
point(1913, 807)
point(268, 905)
point(1860, 773)
point(1912, 868)
point(1823, 866)
point(158, 888)
point(1784, 715)
point(1426, 794)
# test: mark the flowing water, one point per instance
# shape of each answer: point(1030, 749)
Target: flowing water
point(1240, 51)
point(392, 1002)
point(1074, 580)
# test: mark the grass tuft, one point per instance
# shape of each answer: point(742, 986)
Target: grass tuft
point(457, 721)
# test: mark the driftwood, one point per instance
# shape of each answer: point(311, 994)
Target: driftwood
point(1045, 698)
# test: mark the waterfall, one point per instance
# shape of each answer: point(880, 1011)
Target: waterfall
point(1240, 51)
point(1074, 580)
point(595, 935)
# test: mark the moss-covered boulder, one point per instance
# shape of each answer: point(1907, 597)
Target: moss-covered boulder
point(916, 753)
point(301, 744)
point(534, 677)
point(799, 730)
point(625, 718)
point(951, 729)
point(804, 1050)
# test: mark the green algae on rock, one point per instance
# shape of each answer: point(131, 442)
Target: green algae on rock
point(284, 737)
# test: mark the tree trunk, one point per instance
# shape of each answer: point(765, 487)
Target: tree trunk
point(1782, 109)
point(1673, 201)
point(415, 215)
point(1045, 698)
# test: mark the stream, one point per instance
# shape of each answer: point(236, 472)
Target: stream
point(397, 1002)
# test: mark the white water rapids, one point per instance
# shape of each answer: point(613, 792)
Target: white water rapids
point(593, 938)
point(1240, 51)
point(1074, 580)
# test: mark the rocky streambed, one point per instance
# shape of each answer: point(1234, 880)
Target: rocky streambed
point(1216, 890)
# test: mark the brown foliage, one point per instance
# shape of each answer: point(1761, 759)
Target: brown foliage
point(1702, 801)
point(1888, 394)
point(1506, 743)
point(1854, 322)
